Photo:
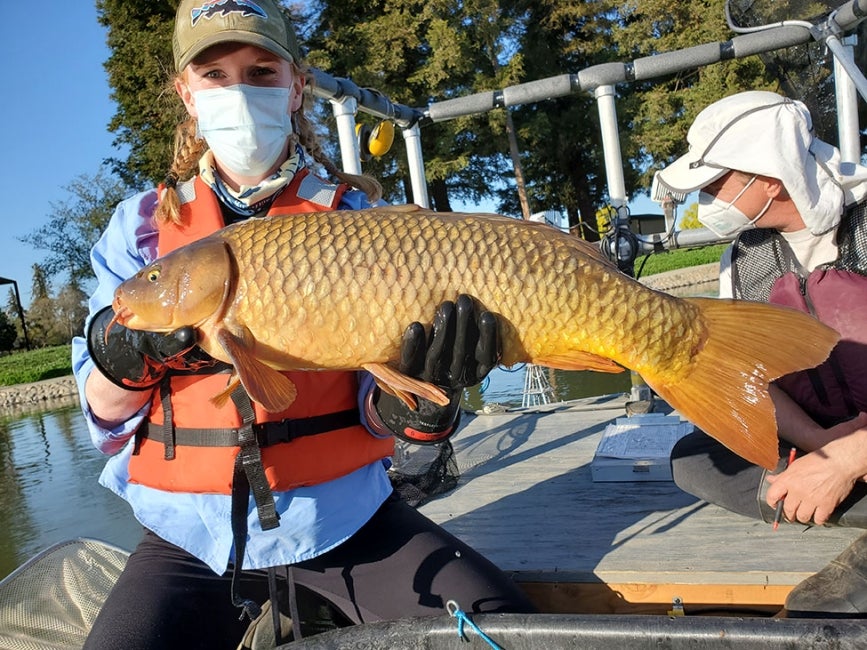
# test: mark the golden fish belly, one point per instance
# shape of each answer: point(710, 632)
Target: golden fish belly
point(337, 290)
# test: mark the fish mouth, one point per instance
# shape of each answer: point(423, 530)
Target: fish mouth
point(121, 315)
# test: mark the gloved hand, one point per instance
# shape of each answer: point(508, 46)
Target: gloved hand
point(138, 360)
point(463, 348)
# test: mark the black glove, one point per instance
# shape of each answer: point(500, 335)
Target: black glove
point(138, 360)
point(463, 348)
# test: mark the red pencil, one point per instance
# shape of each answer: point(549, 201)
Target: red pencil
point(778, 515)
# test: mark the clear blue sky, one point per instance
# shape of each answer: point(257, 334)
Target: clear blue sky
point(54, 113)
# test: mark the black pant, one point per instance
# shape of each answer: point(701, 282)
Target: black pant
point(399, 564)
point(703, 467)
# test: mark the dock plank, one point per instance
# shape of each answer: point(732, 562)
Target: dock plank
point(527, 502)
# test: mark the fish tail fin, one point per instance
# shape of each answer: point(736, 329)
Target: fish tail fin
point(748, 345)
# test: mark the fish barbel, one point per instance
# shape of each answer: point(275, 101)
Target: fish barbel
point(335, 290)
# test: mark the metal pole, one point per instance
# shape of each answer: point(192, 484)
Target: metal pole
point(415, 160)
point(611, 146)
point(847, 104)
point(344, 112)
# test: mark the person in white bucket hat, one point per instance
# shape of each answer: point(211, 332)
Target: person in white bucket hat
point(799, 217)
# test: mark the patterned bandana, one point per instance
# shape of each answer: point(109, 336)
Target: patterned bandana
point(251, 199)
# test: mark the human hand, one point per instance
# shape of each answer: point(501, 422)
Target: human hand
point(462, 349)
point(138, 360)
point(815, 484)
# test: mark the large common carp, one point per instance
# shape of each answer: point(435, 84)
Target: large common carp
point(336, 290)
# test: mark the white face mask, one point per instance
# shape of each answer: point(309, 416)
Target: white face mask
point(724, 219)
point(245, 126)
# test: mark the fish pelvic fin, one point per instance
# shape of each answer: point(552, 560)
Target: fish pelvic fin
point(223, 396)
point(265, 385)
point(748, 345)
point(405, 387)
point(578, 360)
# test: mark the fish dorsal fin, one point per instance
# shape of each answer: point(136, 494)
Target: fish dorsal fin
point(404, 208)
point(578, 360)
point(403, 386)
point(265, 385)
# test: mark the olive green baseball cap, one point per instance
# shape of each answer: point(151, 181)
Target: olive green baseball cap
point(199, 24)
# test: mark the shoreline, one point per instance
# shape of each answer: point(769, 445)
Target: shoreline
point(62, 391)
point(39, 395)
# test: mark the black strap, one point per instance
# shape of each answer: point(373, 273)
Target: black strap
point(251, 462)
point(240, 499)
point(248, 476)
point(167, 431)
point(267, 433)
point(293, 604)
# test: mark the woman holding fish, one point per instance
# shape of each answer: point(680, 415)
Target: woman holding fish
point(314, 457)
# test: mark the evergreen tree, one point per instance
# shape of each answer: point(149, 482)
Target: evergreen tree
point(14, 317)
point(41, 316)
point(7, 333)
point(140, 73)
point(415, 51)
point(419, 51)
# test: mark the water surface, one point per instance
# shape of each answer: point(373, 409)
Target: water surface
point(49, 490)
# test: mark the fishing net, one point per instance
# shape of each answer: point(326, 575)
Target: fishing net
point(51, 601)
point(422, 472)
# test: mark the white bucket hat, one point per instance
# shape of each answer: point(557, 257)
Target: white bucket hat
point(759, 132)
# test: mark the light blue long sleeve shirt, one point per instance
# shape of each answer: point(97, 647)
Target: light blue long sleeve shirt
point(313, 519)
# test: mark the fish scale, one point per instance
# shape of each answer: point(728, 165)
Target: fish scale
point(336, 290)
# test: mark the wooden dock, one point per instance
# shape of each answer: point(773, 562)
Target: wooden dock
point(526, 500)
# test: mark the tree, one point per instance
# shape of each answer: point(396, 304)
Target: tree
point(15, 317)
point(663, 110)
point(75, 224)
point(413, 51)
point(8, 334)
point(140, 71)
point(418, 51)
point(689, 220)
point(41, 315)
point(71, 310)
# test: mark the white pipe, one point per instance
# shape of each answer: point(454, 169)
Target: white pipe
point(847, 102)
point(611, 146)
point(415, 160)
point(344, 113)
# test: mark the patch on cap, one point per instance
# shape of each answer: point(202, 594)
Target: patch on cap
point(226, 7)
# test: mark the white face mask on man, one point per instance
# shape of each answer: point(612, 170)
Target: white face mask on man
point(724, 219)
point(245, 126)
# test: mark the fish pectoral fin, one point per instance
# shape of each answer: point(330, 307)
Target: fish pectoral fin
point(265, 385)
point(403, 386)
point(578, 360)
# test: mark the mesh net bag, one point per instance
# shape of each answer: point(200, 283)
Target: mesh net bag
point(422, 472)
point(51, 601)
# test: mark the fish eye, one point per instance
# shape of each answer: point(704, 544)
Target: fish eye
point(153, 275)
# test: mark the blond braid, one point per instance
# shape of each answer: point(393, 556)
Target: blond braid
point(188, 150)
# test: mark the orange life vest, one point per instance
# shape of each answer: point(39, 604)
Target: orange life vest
point(317, 439)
